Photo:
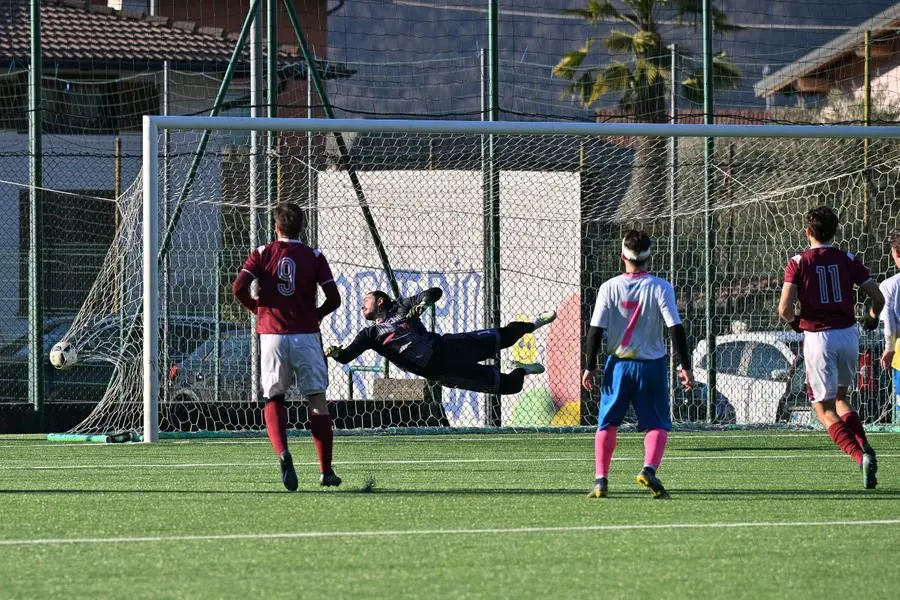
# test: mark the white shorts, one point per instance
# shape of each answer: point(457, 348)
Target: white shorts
point(284, 357)
point(831, 358)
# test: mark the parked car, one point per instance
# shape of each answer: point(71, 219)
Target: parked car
point(760, 378)
point(191, 378)
point(87, 380)
point(84, 382)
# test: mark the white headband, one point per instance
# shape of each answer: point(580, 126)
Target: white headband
point(636, 256)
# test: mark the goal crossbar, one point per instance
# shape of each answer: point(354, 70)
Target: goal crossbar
point(150, 164)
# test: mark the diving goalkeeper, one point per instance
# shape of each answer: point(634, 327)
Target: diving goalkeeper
point(453, 359)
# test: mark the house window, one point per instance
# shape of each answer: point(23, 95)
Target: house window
point(77, 230)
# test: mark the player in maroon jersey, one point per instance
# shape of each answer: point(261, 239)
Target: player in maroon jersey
point(288, 273)
point(821, 280)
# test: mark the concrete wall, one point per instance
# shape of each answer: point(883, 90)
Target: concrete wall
point(431, 223)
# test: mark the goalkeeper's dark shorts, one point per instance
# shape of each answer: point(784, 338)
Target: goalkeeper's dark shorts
point(456, 358)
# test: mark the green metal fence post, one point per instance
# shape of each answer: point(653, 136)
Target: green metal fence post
point(708, 217)
point(35, 240)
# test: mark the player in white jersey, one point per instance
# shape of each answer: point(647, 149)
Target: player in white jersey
point(633, 308)
point(890, 317)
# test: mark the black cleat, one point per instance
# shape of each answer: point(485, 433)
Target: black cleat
point(647, 478)
point(869, 468)
point(288, 474)
point(601, 488)
point(329, 479)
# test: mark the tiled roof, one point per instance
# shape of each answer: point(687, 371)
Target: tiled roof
point(884, 23)
point(75, 31)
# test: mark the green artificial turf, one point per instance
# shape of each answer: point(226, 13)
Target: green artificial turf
point(752, 515)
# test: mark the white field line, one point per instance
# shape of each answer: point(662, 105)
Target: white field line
point(421, 461)
point(437, 438)
point(440, 532)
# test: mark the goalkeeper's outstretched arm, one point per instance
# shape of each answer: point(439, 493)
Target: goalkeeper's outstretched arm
point(361, 343)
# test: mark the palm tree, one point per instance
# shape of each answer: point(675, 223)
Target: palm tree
point(642, 80)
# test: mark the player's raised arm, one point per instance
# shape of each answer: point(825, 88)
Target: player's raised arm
point(417, 303)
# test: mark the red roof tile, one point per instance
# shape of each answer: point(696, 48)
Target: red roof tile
point(74, 30)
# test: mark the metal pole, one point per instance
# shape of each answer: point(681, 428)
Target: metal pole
point(342, 147)
point(271, 109)
point(35, 226)
point(493, 188)
point(867, 122)
point(488, 316)
point(256, 103)
point(204, 139)
point(166, 192)
point(312, 177)
point(166, 174)
point(120, 258)
point(150, 276)
point(673, 192)
point(708, 206)
point(119, 305)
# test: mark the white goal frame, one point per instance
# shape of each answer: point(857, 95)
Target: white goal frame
point(150, 168)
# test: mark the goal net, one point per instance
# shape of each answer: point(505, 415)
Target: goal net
point(508, 219)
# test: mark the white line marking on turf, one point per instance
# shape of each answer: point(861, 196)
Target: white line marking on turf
point(424, 532)
point(443, 437)
point(419, 461)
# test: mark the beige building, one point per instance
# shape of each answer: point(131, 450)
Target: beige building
point(839, 65)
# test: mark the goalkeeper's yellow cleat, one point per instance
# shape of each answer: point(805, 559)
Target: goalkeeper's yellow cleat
point(545, 318)
point(601, 488)
point(647, 478)
point(529, 368)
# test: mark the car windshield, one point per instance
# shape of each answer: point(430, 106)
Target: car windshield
point(235, 347)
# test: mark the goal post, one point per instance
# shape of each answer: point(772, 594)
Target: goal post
point(568, 191)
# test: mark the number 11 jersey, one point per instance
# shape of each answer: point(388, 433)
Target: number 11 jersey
point(825, 277)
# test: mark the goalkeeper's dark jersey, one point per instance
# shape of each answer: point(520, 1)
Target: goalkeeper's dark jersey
point(400, 338)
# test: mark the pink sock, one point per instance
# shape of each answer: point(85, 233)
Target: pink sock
point(654, 446)
point(604, 446)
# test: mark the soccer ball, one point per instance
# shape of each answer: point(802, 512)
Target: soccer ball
point(63, 355)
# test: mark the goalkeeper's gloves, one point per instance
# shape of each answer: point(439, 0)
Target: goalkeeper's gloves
point(332, 351)
point(868, 322)
point(416, 311)
point(795, 325)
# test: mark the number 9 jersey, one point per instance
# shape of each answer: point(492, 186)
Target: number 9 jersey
point(288, 273)
point(825, 277)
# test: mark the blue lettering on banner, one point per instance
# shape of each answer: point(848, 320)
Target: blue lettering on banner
point(457, 311)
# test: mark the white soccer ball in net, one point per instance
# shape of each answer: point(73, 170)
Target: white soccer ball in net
point(63, 355)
